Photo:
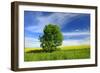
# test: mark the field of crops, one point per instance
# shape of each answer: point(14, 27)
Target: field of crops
point(66, 52)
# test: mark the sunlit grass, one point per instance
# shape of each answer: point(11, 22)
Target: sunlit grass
point(65, 52)
point(74, 47)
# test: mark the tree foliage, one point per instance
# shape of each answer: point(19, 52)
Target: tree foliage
point(51, 38)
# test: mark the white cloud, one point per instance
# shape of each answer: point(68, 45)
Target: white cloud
point(82, 41)
point(76, 33)
point(85, 41)
point(60, 18)
point(31, 42)
point(76, 42)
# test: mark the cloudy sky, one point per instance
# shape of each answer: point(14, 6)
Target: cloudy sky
point(75, 27)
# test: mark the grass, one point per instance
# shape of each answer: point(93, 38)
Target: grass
point(75, 47)
point(31, 49)
point(67, 52)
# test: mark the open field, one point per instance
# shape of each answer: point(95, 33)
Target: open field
point(66, 52)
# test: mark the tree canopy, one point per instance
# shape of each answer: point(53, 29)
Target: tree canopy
point(51, 38)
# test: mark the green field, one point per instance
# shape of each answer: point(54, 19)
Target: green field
point(66, 52)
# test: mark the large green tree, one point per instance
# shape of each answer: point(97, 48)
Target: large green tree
point(51, 38)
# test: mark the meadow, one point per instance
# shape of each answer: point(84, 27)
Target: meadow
point(64, 53)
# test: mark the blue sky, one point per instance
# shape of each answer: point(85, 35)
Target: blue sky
point(75, 27)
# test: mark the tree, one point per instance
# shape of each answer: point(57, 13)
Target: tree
point(51, 38)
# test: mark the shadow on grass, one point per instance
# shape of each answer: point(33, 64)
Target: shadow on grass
point(35, 51)
point(42, 51)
